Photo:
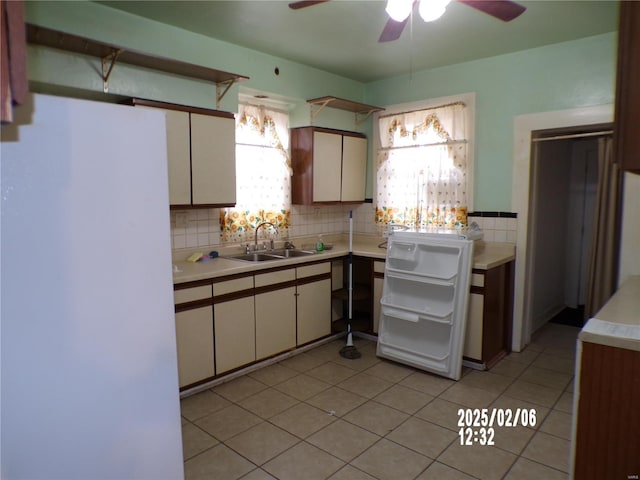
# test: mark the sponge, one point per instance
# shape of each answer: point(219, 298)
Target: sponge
point(195, 257)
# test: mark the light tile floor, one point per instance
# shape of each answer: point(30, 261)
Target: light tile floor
point(320, 416)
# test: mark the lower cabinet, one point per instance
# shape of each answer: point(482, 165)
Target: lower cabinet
point(489, 318)
point(227, 323)
point(314, 310)
point(275, 322)
point(194, 338)
point(235, 337)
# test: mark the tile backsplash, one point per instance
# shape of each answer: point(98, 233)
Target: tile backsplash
point(201, 227)
point(497, 226)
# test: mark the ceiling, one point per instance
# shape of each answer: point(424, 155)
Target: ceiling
point(341, 36)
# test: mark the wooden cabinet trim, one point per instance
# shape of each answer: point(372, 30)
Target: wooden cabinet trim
point(344, 133)
point(227, 297)
point(315, 278)
point(275, 286)
point(182, 307)
point(627, 102)
point(194, 283)
point(182, 108)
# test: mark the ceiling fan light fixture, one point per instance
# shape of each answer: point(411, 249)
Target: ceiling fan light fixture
point(399, 10)
point(431, 10)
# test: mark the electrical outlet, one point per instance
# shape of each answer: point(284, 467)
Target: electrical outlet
point(181, 219)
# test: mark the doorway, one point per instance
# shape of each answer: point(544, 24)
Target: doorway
point(562, 209)
point(524, 125)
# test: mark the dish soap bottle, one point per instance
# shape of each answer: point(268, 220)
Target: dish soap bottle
point(319, 244)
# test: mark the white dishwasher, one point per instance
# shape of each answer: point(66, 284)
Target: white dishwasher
point(425, 293)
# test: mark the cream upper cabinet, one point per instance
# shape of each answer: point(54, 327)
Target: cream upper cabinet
point(329, 166)
point(179, 160)
point(327, 163)
point(201, 146)
point(213, 160)
point(354, 169)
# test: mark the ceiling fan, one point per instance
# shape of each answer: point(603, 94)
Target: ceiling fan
point(400, 10)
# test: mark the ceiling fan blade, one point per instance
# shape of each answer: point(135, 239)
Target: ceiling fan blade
point(305, 4)
point(504, 10)
point(392, 30)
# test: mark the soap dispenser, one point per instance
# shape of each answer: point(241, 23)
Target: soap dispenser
point(319, 244)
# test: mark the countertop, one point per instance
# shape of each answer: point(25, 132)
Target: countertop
point(617, 324)
point(487, 255)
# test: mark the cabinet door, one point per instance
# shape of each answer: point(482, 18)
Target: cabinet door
point(354, 169)
point(475, 324)
point(213, 160)
point(327, 165)
point(314, 310)
point(194, 338)
point(235, 334)
point(275, 322)
point(178, 157)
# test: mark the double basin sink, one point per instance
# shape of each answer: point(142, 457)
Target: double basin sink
point(279, 254)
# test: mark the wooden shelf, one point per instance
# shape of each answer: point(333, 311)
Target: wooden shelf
point(110, 54)
point(361, 110)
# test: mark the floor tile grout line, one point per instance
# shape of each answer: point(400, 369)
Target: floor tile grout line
point(393, 383)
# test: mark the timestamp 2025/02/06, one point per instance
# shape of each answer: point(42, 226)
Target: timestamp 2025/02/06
point(477, 425)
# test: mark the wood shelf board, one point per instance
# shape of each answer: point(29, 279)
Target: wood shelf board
point(342, 104)
point(64, 41)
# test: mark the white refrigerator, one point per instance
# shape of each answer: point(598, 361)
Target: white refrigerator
point(425, 294)
point(89, 371)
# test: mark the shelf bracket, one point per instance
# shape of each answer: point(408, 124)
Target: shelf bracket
point(108, 63)
point(362, 116)
point(319, 107)
point(221, 90)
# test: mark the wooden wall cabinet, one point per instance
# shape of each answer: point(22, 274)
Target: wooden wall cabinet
point(627, 112)
point(329, 166)
point(200, 154)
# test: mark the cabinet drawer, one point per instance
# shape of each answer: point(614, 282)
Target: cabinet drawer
point(311, 270)
point(378, 267)
point(230, 286)
point(192, 294)
point(477, 280)
point(272, 278)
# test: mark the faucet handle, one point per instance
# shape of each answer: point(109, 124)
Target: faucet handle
point(289, 245)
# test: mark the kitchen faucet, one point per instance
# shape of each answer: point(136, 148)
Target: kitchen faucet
point(255, 242)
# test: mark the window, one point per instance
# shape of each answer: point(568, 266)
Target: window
point(423, 166)
point(263, 174)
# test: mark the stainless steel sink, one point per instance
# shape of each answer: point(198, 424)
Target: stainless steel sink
point(289, 253)
point(254, 257)
point(279, 254)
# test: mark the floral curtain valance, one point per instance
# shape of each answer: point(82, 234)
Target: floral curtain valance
point(421, 168)
point(439, 125)
point(263, 175)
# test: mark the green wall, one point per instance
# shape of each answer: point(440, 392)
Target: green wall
point(556, 77)
point(566, 75)
point(295, 81)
